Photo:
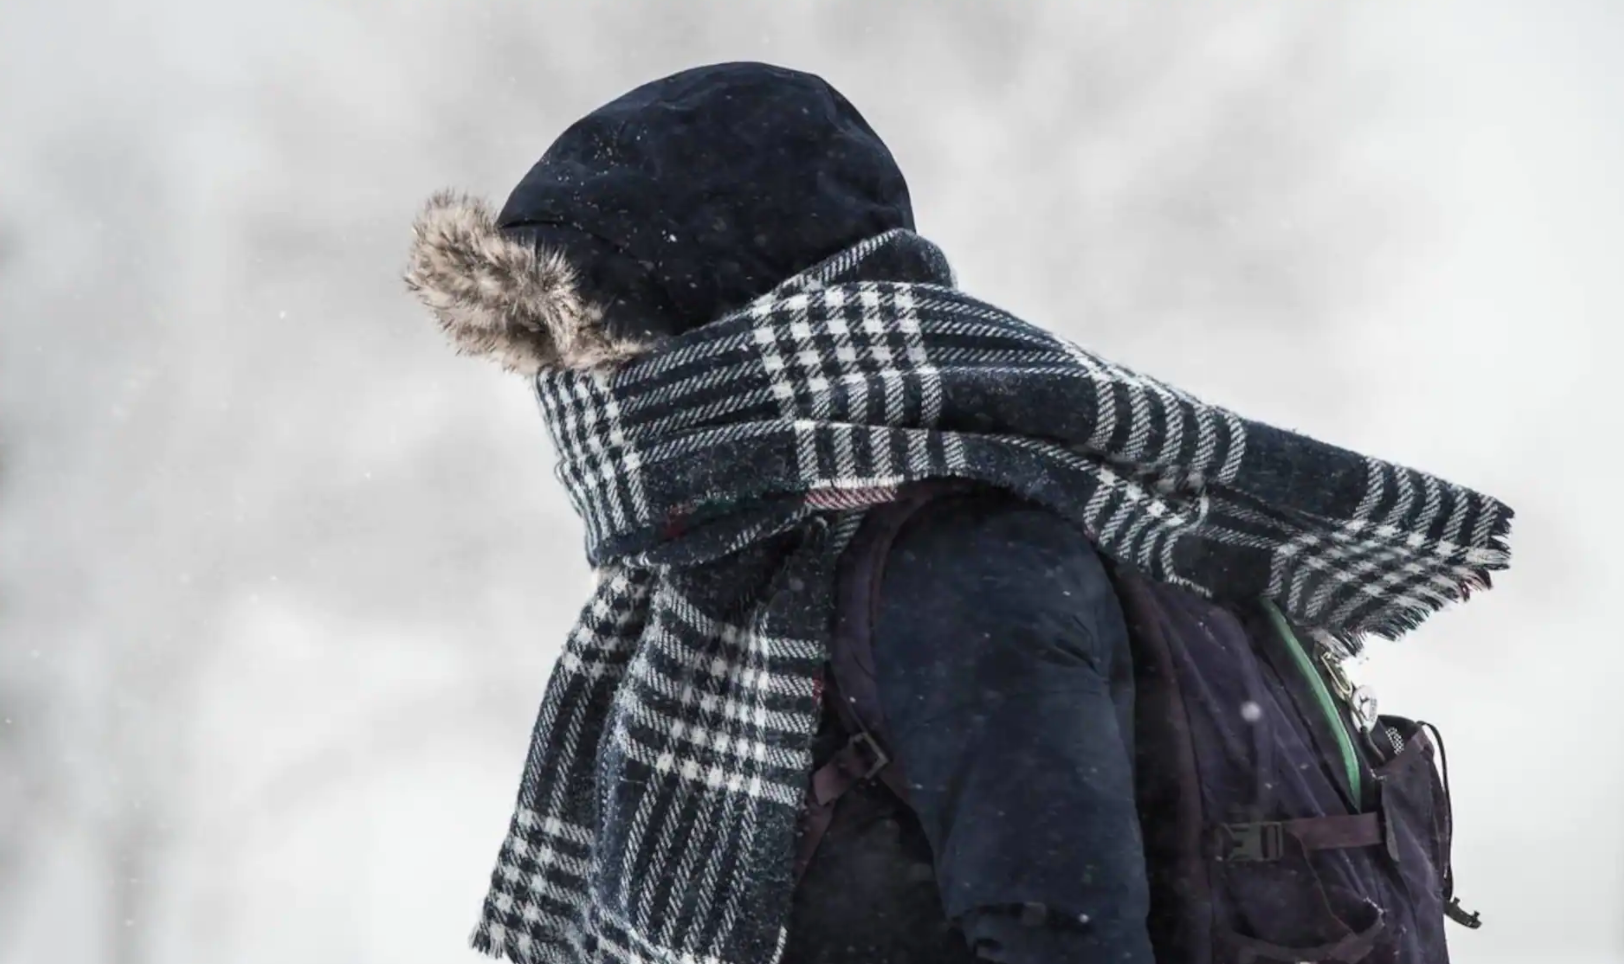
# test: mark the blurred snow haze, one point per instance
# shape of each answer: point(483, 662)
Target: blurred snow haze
point(281, 578)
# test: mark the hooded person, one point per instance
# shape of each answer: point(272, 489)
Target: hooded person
point(1097, 620)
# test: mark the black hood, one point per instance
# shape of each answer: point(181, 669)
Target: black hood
point(661, 210)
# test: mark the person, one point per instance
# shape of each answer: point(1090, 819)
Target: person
point(745, 356)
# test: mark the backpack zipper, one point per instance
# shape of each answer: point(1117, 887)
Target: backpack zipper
point(1316, 682)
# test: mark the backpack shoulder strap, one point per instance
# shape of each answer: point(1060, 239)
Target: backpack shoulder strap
point(1167, 781)
point(851, 690)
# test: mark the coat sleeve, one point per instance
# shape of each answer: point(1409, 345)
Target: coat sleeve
point(1006, 680)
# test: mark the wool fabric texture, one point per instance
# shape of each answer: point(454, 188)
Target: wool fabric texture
point(718, 476)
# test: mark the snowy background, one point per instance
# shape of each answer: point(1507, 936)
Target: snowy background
point(281, 578)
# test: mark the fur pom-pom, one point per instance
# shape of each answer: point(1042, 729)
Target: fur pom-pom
point(502, 298)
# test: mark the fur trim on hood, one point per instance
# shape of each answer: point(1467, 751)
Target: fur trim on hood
point(498, 296)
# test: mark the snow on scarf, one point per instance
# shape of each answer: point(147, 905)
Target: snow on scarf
point(716, 477)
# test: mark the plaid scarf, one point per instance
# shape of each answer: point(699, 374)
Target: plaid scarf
point(719, 477)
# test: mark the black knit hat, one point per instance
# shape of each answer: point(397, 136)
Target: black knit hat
point(661, 210)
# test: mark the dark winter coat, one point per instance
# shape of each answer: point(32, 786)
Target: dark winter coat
point(1004, 668)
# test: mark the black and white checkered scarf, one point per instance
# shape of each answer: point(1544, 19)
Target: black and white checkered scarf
point(718, 477)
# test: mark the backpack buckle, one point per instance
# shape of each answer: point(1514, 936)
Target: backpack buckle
point(872, 759)
point(1455, 912)
point(1257, 842)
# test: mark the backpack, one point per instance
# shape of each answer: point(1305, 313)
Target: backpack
point(1283, 820)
